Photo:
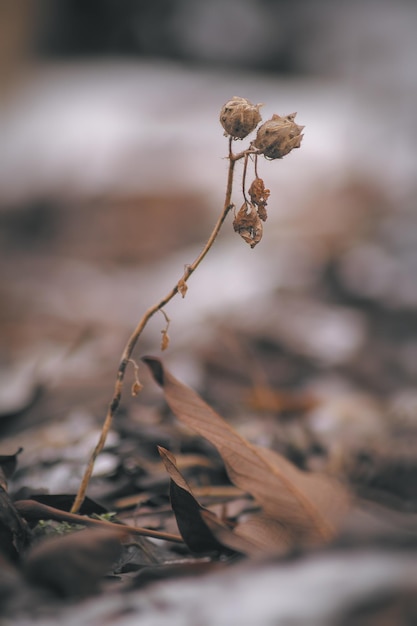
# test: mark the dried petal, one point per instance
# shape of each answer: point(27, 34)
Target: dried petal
point(278, 136)
point(239, 117)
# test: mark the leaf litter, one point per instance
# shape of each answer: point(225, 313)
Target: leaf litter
point(270, 507)
point(190, 515)
point(285, 509)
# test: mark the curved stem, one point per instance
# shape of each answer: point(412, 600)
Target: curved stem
point(131, 343)
point(256, 166)
point(245, 168)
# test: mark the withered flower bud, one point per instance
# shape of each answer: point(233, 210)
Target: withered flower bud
point(239, 117)
point(278, 136)
point(259, 197)
point(248, 224)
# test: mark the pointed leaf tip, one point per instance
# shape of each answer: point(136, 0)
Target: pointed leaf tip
point(156, 367)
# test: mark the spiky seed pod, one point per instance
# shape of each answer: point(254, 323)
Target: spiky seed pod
point(278, 136)
point(239, 117)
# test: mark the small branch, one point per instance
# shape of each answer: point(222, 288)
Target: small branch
point(35, 511)
point(130, 346)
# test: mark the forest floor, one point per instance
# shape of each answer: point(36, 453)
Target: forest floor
point(308, 348)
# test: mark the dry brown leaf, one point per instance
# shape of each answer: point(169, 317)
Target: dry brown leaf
point(14, 532)
point(188, 512)
point(259, 535)
point(265, 399)
point(266, 533)
point(170, 571)
point(309, 507)
point(204, 532)
point(8, 463)
point(228, 537)
point(73, 565)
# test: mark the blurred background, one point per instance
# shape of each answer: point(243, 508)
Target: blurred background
point(112, 174)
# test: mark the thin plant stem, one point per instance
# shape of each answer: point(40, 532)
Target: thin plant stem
point(245, 168)
point(132, 341)
point(256, 165)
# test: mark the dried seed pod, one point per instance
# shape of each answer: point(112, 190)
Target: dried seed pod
point(278, 136)
point(239, 117)
point(248, 224)
point(259, 196)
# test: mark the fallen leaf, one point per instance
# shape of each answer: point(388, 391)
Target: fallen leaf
point(308, 506)
point(72, 566)
point(265, 399)
point(265, 533)
point(204, 532)
point(11, 584)
point(238, 542)
point(14, 532)
point(188, 512)
point(8, 464)
point(169, 571)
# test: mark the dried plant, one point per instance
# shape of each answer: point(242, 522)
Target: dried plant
point(275, 139)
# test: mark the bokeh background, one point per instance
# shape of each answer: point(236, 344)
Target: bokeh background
point(112, 173)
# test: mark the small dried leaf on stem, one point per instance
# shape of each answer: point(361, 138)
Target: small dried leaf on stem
point(137, 385)
point(165, 337)
point(164, 340)
point(182, 287)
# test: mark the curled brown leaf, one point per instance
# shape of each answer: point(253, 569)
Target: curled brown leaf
point(188, 512)
point(73, 565)
point(310, 507)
